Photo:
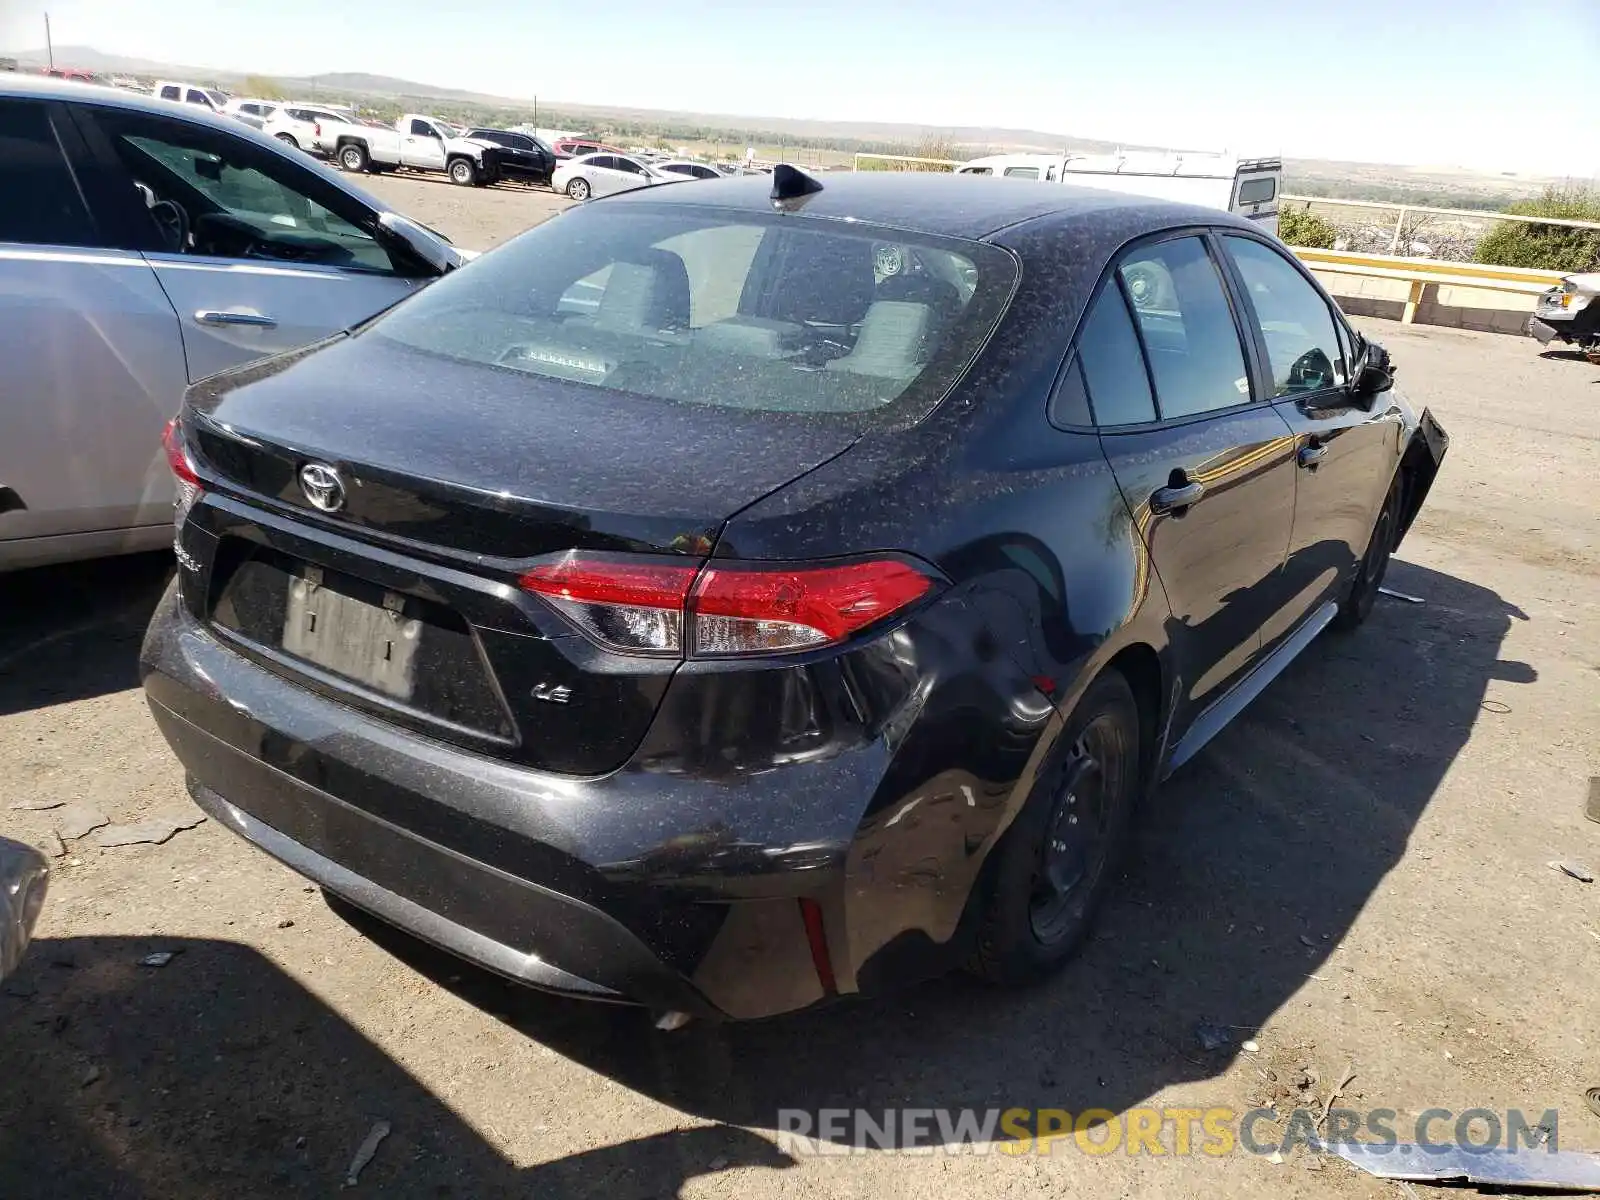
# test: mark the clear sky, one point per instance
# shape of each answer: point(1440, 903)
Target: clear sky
point(1483, 83)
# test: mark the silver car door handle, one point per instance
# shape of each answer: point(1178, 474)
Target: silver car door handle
point(208, 316)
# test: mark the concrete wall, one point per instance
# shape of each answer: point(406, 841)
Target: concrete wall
point(1442, 303)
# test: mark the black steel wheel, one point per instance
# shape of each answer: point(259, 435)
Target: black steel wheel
point(1374, 565)
point(1056, 863)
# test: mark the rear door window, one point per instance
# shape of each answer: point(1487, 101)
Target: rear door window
point(42, 206)
point(170, 92)
point(700, 306)
point(1187, 327)
point(1022, 172)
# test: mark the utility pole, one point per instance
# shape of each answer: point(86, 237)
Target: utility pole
point(49, 46)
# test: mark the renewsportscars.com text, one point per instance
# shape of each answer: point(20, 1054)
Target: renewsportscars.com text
point(1157, 1132)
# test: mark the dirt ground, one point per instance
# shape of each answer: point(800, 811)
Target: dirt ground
point(476, 218)
point(1354, 877)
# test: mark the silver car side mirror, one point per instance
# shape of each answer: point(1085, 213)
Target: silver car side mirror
point(431, 247)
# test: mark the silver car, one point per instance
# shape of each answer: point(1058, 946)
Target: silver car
point(145, 245)
point(605, 173)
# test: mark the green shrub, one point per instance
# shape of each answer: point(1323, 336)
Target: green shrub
point(1546, 247)
point(1302, 227)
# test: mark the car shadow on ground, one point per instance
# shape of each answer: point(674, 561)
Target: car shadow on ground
point(219, 1075)
point(1565, 356)
point(1253, 863)
point(73, 631)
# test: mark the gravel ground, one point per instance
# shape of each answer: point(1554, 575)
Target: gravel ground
point(1353, 876)
point(476, 218)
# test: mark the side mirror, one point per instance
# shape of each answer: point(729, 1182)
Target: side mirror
point(424, 243)
point(1374, 372)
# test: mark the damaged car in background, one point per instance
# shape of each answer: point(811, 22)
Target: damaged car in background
point(1570, 312)
point(728, 598)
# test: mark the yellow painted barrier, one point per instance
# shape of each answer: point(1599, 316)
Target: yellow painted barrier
point(1422, 271)
point(1466, 272)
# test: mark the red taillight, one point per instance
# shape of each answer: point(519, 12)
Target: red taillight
point(634, 605)
point(754, 610)
point(316, 127)
point(177, 454)
point(641, 605)
point(189, 488)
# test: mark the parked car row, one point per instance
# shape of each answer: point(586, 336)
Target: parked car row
point(476, 157)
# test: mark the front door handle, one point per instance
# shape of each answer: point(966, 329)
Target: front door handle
point(1177, 497)
point(1310, 455)
point(257, 320)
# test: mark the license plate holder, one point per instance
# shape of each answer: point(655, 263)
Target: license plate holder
point(374, 645)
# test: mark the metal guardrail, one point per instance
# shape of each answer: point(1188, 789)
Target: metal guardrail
point(1472, 213)
point(1420, 272)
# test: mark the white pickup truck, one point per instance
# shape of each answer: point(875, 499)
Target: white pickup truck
point(419, 142)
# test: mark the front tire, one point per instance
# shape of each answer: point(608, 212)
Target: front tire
point(353, 157)
point(463, 173)
point(1363, 594)
point(1056, 863)
point(578, 189)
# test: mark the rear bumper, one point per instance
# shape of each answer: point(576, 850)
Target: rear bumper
point(659, 886)
point(391, 852)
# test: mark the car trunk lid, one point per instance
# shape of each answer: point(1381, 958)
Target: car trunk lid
point(454, 478)
point(470, 459)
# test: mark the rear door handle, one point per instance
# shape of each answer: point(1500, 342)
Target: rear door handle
point(1177, 497)
point(207, 316)
point(1310, 455)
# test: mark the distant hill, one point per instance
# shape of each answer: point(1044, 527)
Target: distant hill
point(90, 59)
point(363, 83)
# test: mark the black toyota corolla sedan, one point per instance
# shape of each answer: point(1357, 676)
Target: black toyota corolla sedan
point(727, 598)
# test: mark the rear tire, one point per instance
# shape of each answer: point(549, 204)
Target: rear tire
point(288, 139)
point(353, 157)
point(578, 189)
point(1055, 865)
point(1363, 594)
point(462, 172)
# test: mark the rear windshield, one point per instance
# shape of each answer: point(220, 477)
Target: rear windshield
point(775, 313)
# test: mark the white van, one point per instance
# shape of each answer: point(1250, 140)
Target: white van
point(1245, 186)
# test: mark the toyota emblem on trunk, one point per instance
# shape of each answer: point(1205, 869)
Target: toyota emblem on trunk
point(322, 486)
